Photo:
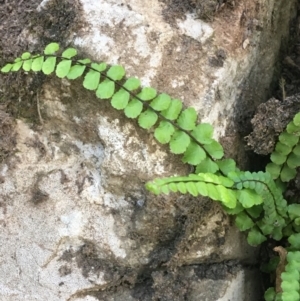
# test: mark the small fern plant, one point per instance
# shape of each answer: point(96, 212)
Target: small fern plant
point(255, 199)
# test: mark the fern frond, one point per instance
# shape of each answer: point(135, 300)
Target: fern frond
point(286, 157)
point(209, 185)
point(290, 278)
point(255, 237)
point(255, 199)
point(172, 124)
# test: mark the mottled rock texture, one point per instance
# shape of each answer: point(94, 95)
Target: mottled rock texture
point(77, 222)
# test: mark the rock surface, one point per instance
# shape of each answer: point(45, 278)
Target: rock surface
point(77, 223)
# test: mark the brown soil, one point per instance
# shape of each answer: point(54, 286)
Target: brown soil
point(270, 120)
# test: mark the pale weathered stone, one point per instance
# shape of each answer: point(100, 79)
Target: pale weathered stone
point(77, 222)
